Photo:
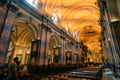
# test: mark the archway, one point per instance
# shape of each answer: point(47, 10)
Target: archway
point(23, 34)
point(68, 53)
point(53, 50)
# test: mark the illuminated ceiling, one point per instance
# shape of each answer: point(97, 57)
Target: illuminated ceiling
point(78, 17)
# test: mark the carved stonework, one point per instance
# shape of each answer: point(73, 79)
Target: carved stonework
point(5, 36)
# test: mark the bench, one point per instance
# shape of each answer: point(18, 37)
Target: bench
point(90, 71)
point(82, 76)
point(61, 78)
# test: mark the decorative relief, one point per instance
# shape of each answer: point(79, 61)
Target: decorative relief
point(3, 46)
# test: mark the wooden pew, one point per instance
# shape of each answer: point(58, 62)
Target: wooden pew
point(93, 73)
point(82, 76)
point(84, 73)
point(61, 78)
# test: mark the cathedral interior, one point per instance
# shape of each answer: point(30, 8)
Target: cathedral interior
point(58, 36)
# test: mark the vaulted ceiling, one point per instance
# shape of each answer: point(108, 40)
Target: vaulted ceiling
point(78, 17)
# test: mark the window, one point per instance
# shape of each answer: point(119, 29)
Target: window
point(54, 18)
point(33, 3)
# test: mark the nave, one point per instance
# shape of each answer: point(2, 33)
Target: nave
point(65, 39)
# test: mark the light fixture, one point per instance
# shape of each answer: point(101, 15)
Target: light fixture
point(108, 40)
point(59, 46)
point(38, 38)
point(33, 40)
point(54, 46)
point(65, 50)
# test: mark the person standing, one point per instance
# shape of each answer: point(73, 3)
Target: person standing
point(13, 70)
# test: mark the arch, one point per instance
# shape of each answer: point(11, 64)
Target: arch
point(68, 53)
point(56, 36)
point(24, 30)
point(27, 22)
point(53, 49)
